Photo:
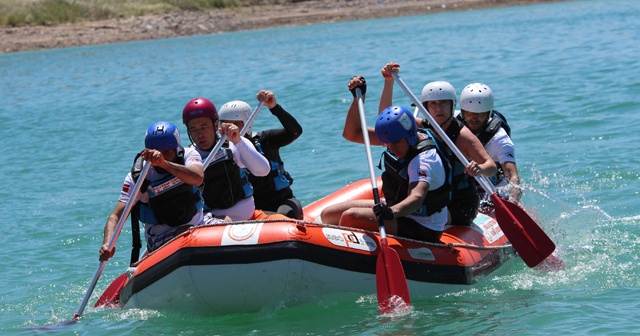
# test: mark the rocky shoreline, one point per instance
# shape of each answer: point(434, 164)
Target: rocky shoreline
point(227, 20)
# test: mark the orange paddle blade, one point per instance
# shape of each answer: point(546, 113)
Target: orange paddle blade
point(391, 283)
point(111, 296)
point(527, 237)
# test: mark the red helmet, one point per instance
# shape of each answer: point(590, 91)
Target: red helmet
point(199, 107)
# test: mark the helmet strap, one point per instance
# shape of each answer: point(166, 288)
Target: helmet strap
point(446, 121)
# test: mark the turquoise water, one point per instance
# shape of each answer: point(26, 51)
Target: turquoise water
point(565, 74)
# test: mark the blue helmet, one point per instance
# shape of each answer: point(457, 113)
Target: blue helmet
point(162, 135)
point(395, 123)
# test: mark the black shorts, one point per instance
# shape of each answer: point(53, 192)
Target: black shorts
point(409, 228)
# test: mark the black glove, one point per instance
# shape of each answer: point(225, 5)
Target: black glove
point(363, 86)
point(383, 212)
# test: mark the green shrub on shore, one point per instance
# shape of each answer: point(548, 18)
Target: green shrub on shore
point(15, 13)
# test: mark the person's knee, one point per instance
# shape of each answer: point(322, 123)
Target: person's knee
point(291, 208)
point(288, 211)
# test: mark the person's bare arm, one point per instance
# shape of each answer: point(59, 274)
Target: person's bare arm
point(109, 228)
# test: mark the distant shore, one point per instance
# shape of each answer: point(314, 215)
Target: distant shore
point(227, 20)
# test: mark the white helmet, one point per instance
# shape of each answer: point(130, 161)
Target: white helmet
point(236, 110)
point(476, 98)
point(439, 90)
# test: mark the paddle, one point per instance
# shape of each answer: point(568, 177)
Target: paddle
point(391, 282)
point(253, 117)
point(112, 243)
point(527, 237)
point(111, 295)
point(223, 138)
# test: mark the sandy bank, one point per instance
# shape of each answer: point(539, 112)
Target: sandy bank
point(246, 18)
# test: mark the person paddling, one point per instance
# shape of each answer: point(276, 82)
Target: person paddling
point(491, 128)
point(439, 99)
point(169, 197)
point(414, 181)
point(227, 191)
point(272, 193)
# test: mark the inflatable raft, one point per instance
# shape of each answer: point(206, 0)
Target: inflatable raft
point(252, 265)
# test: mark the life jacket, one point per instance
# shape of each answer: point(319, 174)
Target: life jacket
point(459, 180)
point(225, 183)
point(171, 201)
point(493, 126)
point(277, 179)
point(395, 179)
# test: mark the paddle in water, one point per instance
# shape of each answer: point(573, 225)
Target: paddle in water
point(391, 283)
point(527, 237)
point(112, 243)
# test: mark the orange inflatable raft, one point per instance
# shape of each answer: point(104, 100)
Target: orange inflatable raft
point(252, 265)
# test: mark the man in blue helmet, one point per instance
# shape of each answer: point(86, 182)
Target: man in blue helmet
point(439, 99)
point(169, 197)
point(414, 181)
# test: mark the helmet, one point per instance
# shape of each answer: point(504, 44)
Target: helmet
point(439, 90)
point(199, 107)
point(162, 135)
point(476, 98)
point(236, 110)
point(395, 123)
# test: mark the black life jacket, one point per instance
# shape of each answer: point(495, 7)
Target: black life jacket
point(459, 180)
point(498, 120)
point(171, 201)
point(225, 183)
point(395, 179)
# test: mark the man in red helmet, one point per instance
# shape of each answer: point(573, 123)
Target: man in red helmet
point(227, 191)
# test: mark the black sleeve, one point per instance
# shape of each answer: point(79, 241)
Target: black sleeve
point(291, 131)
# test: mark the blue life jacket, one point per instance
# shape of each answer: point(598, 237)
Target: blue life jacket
point(171, 201)
point(276, 180)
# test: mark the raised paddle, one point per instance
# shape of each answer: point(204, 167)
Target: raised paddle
point(253, 117)
point(391, 282)
point(527, 237)
point(112, 243)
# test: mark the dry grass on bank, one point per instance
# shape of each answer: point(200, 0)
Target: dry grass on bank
point(18, 13)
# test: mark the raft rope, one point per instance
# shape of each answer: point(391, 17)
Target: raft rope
point(305, 223)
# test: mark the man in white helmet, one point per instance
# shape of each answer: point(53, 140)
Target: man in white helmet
point(272, 193)
point(439, 99)
point(477, 113)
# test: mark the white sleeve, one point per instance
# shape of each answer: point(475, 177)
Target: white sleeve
point(127, 191)
point(191, 156)
point(427, 167)
point(501, 148)
point(246, 156)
